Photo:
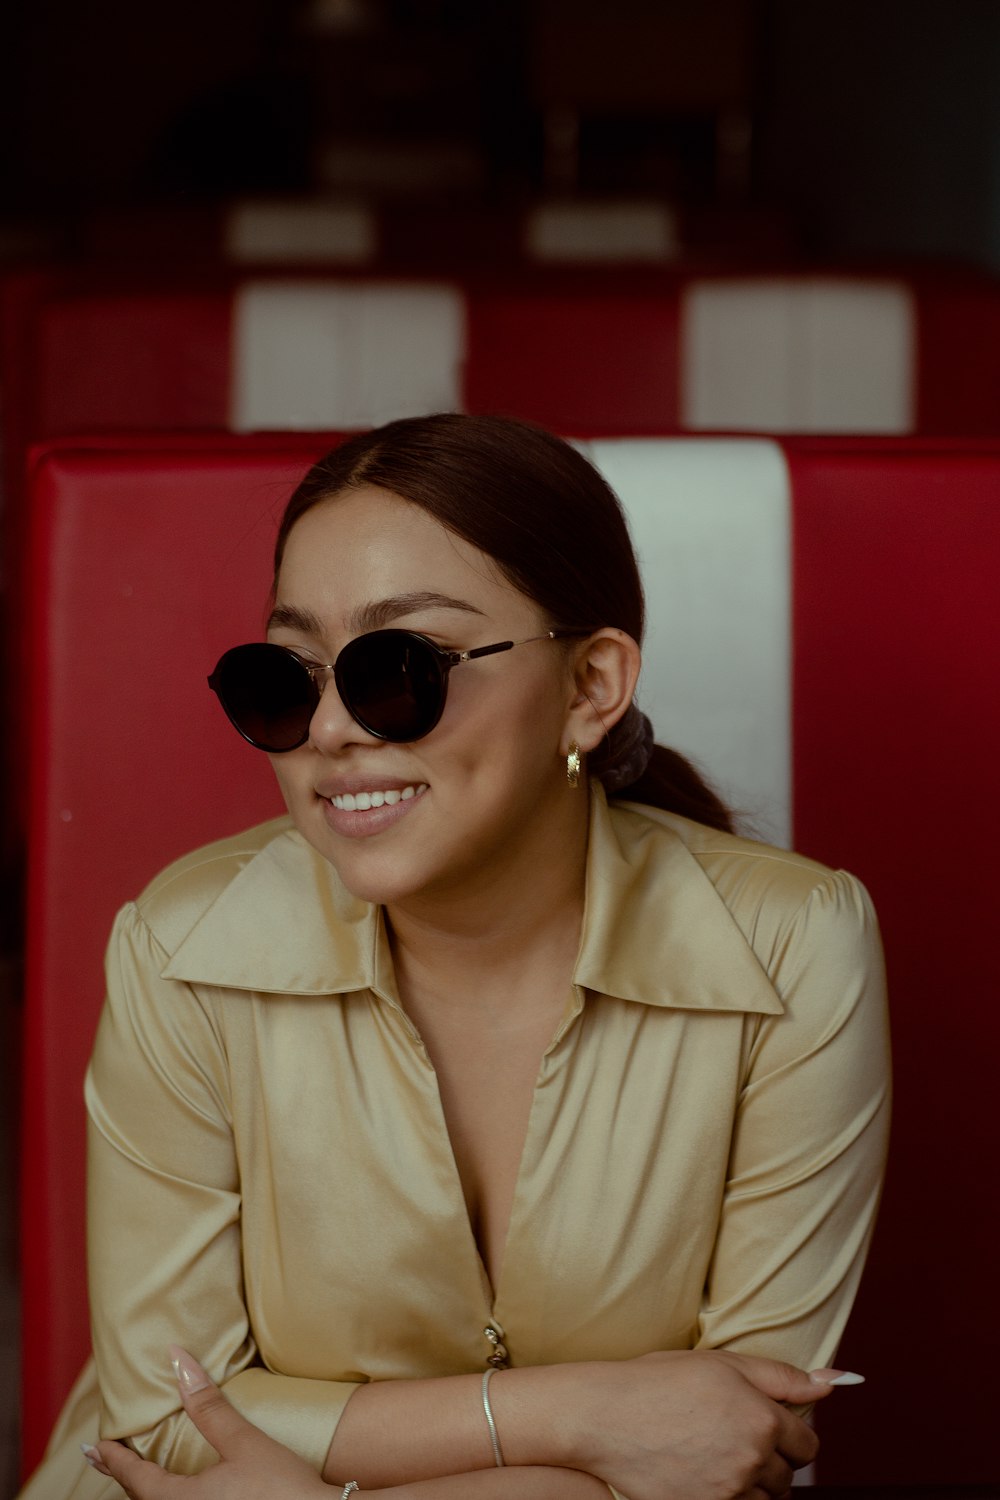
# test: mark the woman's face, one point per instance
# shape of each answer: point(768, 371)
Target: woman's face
point(486, 788)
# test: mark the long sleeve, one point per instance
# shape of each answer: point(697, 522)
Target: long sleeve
point(164, 1238)
point(809, 1142)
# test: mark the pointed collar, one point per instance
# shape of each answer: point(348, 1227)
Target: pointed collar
point(655, 929)
point(285, 924)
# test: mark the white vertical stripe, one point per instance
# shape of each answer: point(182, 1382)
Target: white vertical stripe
point(340, 354)
point(807, 355)
point(710, 523)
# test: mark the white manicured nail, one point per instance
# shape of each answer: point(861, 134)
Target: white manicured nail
point(835, 1377)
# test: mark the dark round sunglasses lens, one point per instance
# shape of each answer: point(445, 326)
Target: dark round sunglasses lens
point(268, 695)
point(392, 683)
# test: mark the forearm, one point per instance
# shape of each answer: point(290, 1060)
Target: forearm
point(394, 1432)
point(523, 1483)
point(298, 1413)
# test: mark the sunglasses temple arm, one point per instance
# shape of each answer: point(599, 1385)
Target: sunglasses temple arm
point(454, 657)
point(457, 656)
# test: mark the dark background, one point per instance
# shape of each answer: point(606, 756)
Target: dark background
point(831, 128)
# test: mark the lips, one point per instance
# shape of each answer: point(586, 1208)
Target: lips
point(361, 808)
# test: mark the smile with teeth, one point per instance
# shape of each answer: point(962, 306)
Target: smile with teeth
point(362, 801)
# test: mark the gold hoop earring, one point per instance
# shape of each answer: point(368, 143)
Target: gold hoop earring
point(573, 763)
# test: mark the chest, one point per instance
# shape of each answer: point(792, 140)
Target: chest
point(394, 1203)
point(487, 1089)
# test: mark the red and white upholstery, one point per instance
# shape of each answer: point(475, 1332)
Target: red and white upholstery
point(808, 354)
point(823, 636)
point(643, 351)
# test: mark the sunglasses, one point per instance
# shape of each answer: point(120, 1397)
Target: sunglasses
point(394, 683)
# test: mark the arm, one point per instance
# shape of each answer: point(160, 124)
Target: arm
point(684, 1422)
point(809, 1141)
point(251, 1466)
point(164, 1221)
point(254, 1467)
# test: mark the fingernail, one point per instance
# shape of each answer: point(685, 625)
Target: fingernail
point(190, 1375)
point(836, 1377)
point(91, 1454)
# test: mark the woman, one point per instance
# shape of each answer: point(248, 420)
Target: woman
point(461, 1119)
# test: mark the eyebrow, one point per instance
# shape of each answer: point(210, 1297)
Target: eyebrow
point(375, 615)
point(294, 618)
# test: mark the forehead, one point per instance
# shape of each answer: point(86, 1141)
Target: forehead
point(367, 543)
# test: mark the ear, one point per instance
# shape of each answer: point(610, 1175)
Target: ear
point(605, 672)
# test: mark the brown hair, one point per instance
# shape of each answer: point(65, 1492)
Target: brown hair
point(554, 528)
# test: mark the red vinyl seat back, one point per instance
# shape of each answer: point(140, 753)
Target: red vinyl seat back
point(896, 749)
point(591, 359)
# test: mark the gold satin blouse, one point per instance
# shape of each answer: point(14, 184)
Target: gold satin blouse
point(272, 1183)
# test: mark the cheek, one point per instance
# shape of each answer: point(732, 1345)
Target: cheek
point(285, 768)
point(512, 729)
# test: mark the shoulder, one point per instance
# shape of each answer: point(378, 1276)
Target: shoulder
point(784, 903)
point(729, 861)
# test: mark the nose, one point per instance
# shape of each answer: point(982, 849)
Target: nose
point(332, 726)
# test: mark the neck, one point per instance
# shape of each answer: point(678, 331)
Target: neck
point(526, 909)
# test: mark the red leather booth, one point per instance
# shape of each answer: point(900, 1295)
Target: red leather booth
point(151, 555)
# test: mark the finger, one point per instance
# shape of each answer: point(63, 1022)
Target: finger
point(784, 1382)
point(796, 1441)
point(140, 1479)
point(215, 1417)
point(94, 1458)
point(775, 1477)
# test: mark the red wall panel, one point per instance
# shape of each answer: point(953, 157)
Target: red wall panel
point(896, 746)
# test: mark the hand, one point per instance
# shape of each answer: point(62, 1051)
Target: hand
point(252, 1467)
point(694, 1424)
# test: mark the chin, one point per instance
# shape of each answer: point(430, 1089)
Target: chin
point(372, 880)
point(377, 874)
point(390, 877)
